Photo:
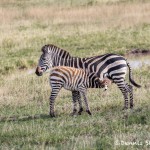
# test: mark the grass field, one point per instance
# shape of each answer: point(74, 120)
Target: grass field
point(84, 28)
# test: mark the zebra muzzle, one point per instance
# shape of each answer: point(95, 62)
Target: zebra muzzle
point(39, 71)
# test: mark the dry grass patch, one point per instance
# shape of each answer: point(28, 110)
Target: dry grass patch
point(124, 14)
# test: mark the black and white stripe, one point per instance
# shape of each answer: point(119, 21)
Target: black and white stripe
point(72, 79)
point(112, 66)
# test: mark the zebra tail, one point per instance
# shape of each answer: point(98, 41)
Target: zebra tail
point(130, 77)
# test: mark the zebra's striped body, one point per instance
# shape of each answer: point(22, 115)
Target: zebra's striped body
point(72, 79)
point(112, 66)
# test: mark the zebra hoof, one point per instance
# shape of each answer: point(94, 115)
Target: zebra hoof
point(80, 111)
point(131, 106)
point(88, 112)
point(52, 115)
point(73, 114)
point(124, 108)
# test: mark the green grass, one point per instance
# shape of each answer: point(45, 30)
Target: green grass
point(27, 125)
point(111, 41)
point(116, 26)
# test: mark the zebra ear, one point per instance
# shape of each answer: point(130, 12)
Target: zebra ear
point(44, 49)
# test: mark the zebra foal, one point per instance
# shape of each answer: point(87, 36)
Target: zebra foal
point(72, 79)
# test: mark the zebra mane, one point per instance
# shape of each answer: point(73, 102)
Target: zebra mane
point(56, 49)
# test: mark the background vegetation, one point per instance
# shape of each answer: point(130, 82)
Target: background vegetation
point(84, 28)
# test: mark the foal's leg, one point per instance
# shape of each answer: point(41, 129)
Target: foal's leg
point(53, 96)
point(76, 97)
point(74, 100)
point(80, 103)
point(84, 93)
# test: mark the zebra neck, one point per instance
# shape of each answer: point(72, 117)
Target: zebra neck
point(61, 61)
point(75, 62)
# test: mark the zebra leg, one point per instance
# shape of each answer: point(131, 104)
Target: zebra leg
point(86, 102)
point(53, 96)
point(80, 103)
point(130, 91)
point(123, 87)
point(131, 95)
point(74, 99)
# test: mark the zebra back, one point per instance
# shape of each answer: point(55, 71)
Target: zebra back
point(73, 78)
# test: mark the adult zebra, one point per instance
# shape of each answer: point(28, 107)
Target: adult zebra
point(112, 66)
